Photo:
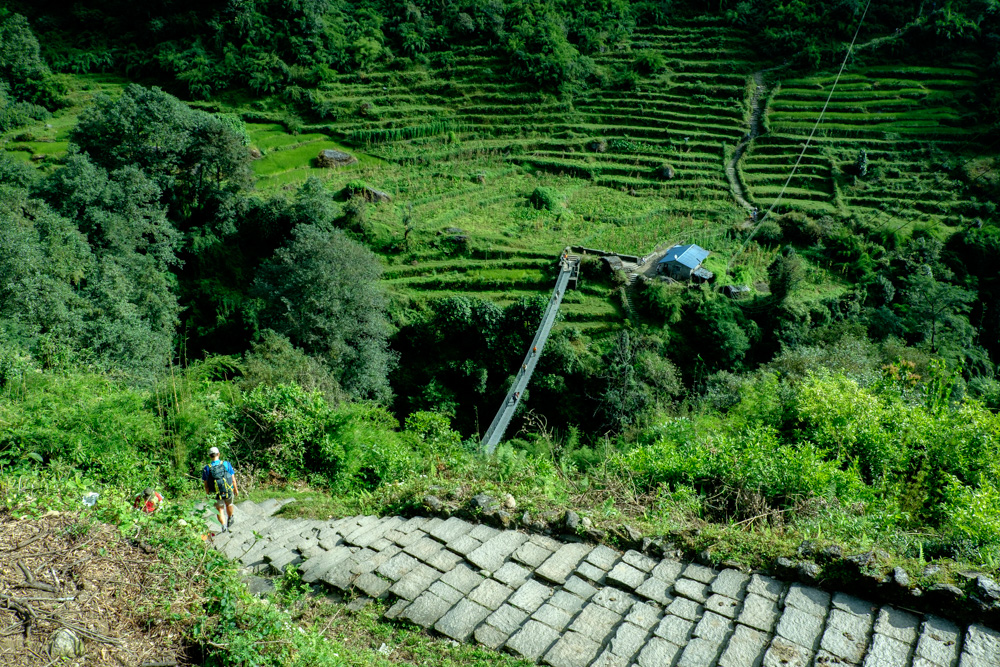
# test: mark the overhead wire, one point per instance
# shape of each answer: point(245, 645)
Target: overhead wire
point(805, 147)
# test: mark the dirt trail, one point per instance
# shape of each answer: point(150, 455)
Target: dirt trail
point(757, 104)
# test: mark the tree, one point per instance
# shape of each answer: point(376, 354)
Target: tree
point(785, 274)
point(21, 64)
point(936, 309)
point(198, 160)
point(321, 291)
point(624, 395)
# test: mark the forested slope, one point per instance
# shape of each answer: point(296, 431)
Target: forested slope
point(178, 270)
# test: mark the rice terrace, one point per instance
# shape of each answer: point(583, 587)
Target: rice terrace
point(678, 318)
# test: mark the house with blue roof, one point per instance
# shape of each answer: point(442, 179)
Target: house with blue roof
point(683, 262)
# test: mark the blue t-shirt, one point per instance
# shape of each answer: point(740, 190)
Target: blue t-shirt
point(206, 476)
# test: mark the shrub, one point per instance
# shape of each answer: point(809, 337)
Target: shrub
point(546, 199)
point(649, 62)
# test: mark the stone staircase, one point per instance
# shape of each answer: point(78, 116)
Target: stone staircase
point(576, 605)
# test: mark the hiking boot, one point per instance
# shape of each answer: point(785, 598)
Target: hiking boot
point(232, 520)
point(225, 529)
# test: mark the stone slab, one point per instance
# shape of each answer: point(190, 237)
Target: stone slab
point(685, 608)
point(691, 589)
point(759, 612)
point(444, 560)
point(512, 574)
point(373, 585)
point(983, 644)
point(553, 616)
point(415, 582)
point(730, 583)
point(714, 627)
point(490, 594)
point(767, 587)
point(572, 650)
point(424, 548)
point(490, 636)
point(675, 629)
point(644, 615)
point(445, 592)
point(461, 620)
point(532, 640)
point(595, 622)
point(426, 610)
point(579, 588)
point(397, 566)
point(745, 648)
point(668, 570)
point(700, 653)
point(783, 653)
point(887, 652)
point(464, 544)
point(561, 564)
point(591, 572)
point(658, 652)
point(846, 636)
point(494, 552)
point(628, 640)
point(567, 601)
point(898, 624)
point(507, 619)
point(939, 641)
point(720, 604)
point(808, 599)
point(614, 599)
point(699, 573)
point(451, 529)
point(801, 628)
point(603, 557)
point(853, 605)
point(626, 576)
point(462, 578)
point(531, 554)
point(639, 561)
point(655, 589)
point(530, 596)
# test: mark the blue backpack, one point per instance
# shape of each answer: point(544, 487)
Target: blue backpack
point(224, 484)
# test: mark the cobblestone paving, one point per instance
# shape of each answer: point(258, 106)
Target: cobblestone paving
point(573, 605)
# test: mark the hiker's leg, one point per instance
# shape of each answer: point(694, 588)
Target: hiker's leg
point(230, 507)
point(220, 505)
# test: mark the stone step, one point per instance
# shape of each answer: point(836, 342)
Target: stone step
point(576, 605)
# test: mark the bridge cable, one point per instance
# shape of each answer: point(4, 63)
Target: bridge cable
point(808, 141)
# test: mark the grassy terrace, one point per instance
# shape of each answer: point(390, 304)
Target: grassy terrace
point(461, 150)
point(906, 118)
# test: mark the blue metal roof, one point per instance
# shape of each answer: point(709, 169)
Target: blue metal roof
point(690, 256)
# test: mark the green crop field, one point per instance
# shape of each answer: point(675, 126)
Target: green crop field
point(460, 149)
point(907, 118)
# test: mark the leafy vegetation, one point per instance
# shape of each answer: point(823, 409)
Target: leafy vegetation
point(181, 274)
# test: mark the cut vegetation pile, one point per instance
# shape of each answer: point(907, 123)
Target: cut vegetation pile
point(59, 575)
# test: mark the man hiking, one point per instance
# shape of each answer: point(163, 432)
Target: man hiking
point(220, 479)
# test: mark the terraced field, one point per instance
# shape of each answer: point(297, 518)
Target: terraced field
point(907, 118)
point(461, 149)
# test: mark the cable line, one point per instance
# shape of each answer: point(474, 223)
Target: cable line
point(805, 147)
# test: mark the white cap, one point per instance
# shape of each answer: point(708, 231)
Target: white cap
point(213, 450)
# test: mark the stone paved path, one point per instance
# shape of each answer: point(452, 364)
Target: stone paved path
point(573, 605)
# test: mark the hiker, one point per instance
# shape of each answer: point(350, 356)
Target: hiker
point(220, 479)
point(148, 501)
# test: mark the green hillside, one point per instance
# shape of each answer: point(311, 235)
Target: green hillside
point(180, 269)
